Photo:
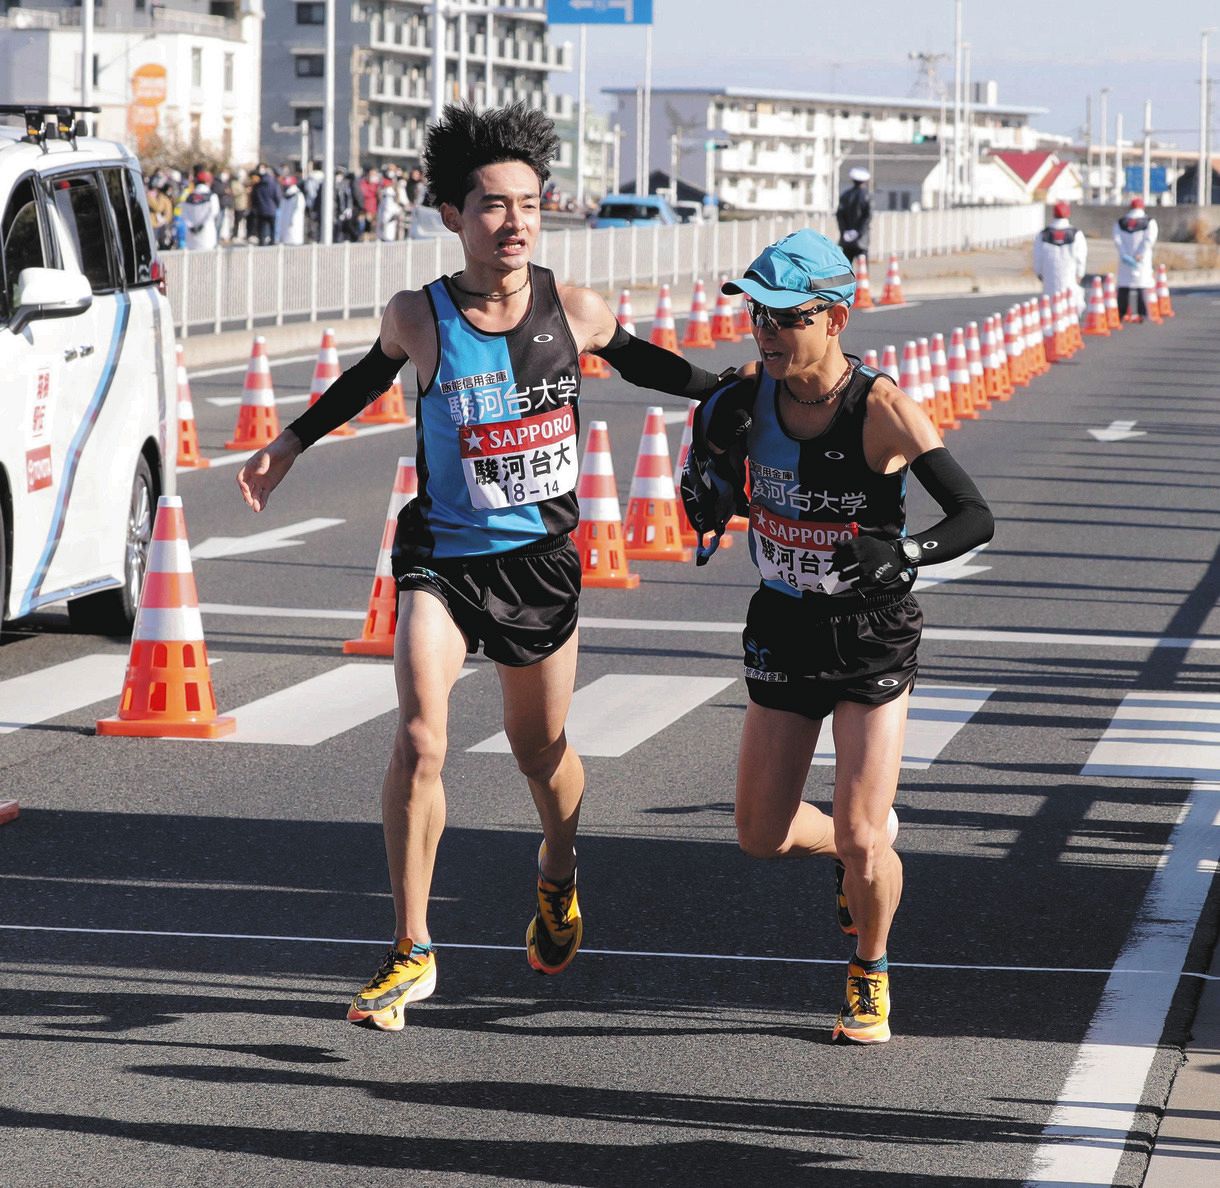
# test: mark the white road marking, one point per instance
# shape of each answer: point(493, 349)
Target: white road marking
point(616, 713)
point(60, 689)
point(936, 715)
point(238, 457)
point(231, 401)
point(233, 368)
point(278, 612)
point(260, 542)
point(1160, 735)
point(316, 709)
point(379, 942)
point(1118, 431)
point(959, 567)
point(1087, 1133)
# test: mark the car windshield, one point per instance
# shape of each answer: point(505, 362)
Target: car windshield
point(628, 210)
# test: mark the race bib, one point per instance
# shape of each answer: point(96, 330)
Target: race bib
point(513, 463)
point(797, 552)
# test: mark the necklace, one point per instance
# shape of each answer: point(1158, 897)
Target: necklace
point(840, 384)
point(489, 296)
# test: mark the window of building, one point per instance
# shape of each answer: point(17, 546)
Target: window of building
point(197, 66)
point(311, 14)
point(309, 65)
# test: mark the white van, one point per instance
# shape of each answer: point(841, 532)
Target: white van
point(88, 407)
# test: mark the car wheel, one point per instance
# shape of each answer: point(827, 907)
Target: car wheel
point(113, 612)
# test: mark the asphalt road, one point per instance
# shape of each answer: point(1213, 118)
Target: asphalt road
point(182, 924)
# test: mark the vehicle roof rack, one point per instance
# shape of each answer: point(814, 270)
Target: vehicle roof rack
point(50, 121)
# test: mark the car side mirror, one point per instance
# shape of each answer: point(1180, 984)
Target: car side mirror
point(49, 293)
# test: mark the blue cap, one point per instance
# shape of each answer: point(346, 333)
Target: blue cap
point(799, 268)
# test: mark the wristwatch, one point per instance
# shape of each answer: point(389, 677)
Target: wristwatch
point(911, 551)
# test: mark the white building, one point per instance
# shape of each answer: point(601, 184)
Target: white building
point(787, 151)
point(175, 67)
point(496, 52)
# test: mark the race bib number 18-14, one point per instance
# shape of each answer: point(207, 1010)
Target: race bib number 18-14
point(798, 552)
point(512, 463)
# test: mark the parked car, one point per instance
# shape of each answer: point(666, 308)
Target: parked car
point(689, 211)
point(625, 210)
point(88, 384)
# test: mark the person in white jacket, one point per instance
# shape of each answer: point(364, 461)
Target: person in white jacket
point(201, 214)
point(1134, 237)
point(292, 214)
point(1060, 256)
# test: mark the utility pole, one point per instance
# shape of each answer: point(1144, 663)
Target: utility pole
point(1205, 163)
point(328, 125)
point(1147, 150)
point(1101, 152)
point(647, 126)
point(86, 53)
point(1118, 158)
point(438, 58)
point(957, 101)
point(582, 117)
point(359, 108)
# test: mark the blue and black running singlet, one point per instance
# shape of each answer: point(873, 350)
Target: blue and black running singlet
point(497, 439)
point(808, 495)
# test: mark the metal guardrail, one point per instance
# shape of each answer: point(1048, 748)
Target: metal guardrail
point(243, 287)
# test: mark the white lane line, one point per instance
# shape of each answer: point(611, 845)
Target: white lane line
point(60, 689)
point(232, 401)
point(704, 627)
point(276, 361)
point(238, 457)
point(277, 612)
point(617, 713)
point(936, 714)
point(316, 709)
point(1085, 1138)
point(660, 954)
point(1163, 736)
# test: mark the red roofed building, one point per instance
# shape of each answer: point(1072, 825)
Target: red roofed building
point(1040, 175)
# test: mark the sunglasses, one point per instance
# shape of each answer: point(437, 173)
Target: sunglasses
point(783, 319)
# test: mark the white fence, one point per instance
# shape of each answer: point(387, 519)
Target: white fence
point(239, 288)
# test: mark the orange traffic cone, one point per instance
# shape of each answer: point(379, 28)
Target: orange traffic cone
point(1046, 324)
point(741, 320)
point(870, 360)
point(9, 810)
point(167, 692)
point(889, 362)
point(1153, 302)
point(625, 317)
point(698, 326)
point(1014, 349)
point(1095, 318)
point(388, 409)
point(1162, 291)
point(940, 385)
point(1113, 321)
point(960, 391)
point(651, 528)
point(377, 638)
point(909, 380)
point(258, 423)
point(1039, 364)
point(927, 393)
point(1075, 340)
point(664, 332)
point(723, 329)
point(326, 370)
point(892, 293)
point(599, 535)
point(864, 293)
point(979, 367)
point(594, 367)
point(1003, 373)
point(188, 433)
point(689, 536)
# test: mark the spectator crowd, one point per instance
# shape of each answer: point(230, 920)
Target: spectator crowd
point(262, 206)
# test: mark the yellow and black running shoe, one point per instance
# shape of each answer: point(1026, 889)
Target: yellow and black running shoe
point(865, 1015)
point(553, 936)
point(401, 978)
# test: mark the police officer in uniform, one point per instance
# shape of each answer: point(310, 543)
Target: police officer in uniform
point(854, 213)
point(1061, 255)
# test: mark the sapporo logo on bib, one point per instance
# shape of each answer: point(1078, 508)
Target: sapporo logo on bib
point(512, 463)
point(798, 552)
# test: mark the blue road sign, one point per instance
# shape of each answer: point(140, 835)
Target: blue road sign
point(599, 12)
point(1133, 183)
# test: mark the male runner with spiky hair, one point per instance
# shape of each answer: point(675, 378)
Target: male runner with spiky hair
point(482, 554)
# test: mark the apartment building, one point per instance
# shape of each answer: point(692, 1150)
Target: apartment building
point(185, 70)
point(766, 151)
point(496, 52)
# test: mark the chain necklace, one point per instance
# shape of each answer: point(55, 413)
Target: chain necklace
point(840, 384)
point(490, 296)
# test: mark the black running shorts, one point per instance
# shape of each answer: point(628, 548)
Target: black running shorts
point(801, 659)
point(521, 606)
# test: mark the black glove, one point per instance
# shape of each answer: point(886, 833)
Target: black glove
point(872, 562)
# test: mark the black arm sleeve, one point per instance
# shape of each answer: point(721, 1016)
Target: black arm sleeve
point(356, 388)
point(648, 366)
point(968, 522)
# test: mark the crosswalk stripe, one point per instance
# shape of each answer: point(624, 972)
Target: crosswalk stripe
point(1161, 736)
point(617, 713)
point(60, 689)
point(936, 714)
point(314, 710)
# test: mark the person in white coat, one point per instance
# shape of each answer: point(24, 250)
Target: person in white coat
point(201, 215)
point(1060, 256)
point(1134, 237)
point(292, 214)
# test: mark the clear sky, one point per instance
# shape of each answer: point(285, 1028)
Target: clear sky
point(1042, 53)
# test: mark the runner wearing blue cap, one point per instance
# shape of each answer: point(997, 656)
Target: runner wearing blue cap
point(833, 625)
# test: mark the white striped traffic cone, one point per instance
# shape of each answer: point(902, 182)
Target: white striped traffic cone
point(188, 432)
point(326, 370)
point(599, 535)
point(689, 537)
point(651, 528)
point(625, 317)
point(258, 423)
